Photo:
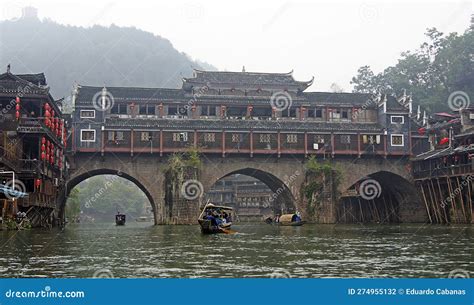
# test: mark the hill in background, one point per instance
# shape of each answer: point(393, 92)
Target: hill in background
point(112, 56)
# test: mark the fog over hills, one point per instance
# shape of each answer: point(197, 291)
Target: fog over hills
point(112, 56)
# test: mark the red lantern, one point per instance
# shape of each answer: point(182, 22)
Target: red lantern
point(43, 140)
point(43, 147)
point(17, 100)
point(43, 155)
point(38, 183)
point(422, 131)
point(17, 115)
point(443, 141)
point(17, 107)
point(52, 113)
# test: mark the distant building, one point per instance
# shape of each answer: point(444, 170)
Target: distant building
point(250, 197)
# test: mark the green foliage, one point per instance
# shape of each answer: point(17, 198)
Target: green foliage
point(92, 55)
point(443, 64)
point(73, 206)
point(100, 198)
point(192, 158)
point(317, 177)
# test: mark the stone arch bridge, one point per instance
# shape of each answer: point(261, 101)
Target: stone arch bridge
point(285, 176)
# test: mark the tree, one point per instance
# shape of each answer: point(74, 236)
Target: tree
point(442, 65)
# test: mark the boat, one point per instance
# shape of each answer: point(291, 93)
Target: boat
point(209, 224)
point(290, 220)
point(120, 219)
point(142, 219)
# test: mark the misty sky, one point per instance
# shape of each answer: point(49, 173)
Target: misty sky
point(325, 39)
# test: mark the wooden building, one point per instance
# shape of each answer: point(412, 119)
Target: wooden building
point(242, 113)
point(32, 142)
point(445, 173)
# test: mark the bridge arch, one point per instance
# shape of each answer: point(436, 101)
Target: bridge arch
point(380, 197)
point(75, 180)
point(282, 199)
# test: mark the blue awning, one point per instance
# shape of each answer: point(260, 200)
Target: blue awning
point(8, 191)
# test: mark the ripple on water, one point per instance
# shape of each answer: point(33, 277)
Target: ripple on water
point(256, 251)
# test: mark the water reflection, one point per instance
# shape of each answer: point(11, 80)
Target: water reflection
point(258, 250)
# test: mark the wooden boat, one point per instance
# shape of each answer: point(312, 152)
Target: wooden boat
point(143, 219)
point(208, 219)
point(120, 219)
point(290, 220)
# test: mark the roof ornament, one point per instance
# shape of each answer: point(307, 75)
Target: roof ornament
point(243, 68)
point(8, 68)
point(418, 113)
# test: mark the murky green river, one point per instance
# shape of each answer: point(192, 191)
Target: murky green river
point(259, 250)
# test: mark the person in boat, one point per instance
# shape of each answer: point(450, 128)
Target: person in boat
point(211, 217)
point(226, 217)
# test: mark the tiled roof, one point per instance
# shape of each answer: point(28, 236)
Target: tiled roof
point(358, 99)
point(87, 93)
point(252, 78)
point(23, 83)
point(187, 124)
point(37, 79)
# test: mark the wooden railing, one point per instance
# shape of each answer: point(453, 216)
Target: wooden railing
point(446, 171)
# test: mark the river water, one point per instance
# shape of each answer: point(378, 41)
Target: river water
point(257, 250)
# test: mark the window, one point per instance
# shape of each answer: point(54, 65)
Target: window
point(396, 140)
point(318, 113)
point(145, 136)
point(311, 113)
point(237, 111)
point(87, 114)
point(397, 119)
point(236, 138)
point(209, 137)
point(180, 136)
point(119, 109)
point(319, 139)
point(345, 114)
point(292, 138)
point(147, 110)
point(115, 136)
point(172, 110)
point(289, 113)
point(262, 112)
point(208, 110)
point(87, 135)
point(265, 138)
point(345, 139)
